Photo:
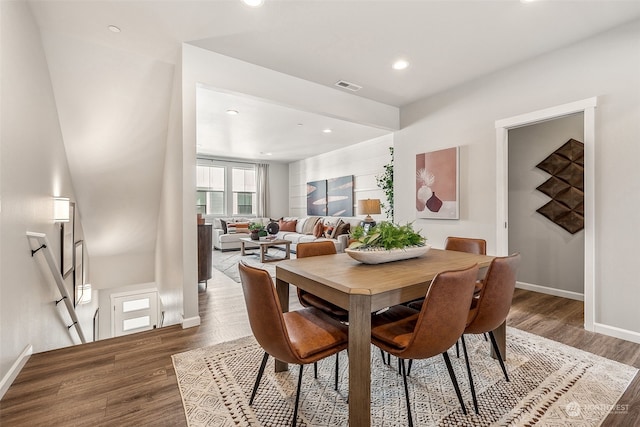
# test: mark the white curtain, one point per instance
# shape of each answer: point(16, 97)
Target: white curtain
point(262, 181)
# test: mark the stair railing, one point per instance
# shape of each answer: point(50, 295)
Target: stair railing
point(45, 248)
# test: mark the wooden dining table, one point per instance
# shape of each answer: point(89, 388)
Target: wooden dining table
point(364, 289)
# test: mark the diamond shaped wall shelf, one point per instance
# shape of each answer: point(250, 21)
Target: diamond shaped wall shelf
point(565, 187)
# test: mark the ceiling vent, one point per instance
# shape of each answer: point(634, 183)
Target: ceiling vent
point(346, 85)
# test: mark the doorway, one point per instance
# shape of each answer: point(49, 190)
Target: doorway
point(587, 107)
point(552, 251)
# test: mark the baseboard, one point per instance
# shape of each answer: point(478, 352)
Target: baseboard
point(190, 322)
point(612, 331)
point(15, 369)
point(550, 291)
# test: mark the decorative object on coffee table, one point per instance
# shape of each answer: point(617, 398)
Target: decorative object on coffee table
point(273, 228)
point(256, 229)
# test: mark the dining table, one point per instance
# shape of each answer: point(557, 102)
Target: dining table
point(363, 289)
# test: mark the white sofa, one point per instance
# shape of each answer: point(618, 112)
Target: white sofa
point(231, 241)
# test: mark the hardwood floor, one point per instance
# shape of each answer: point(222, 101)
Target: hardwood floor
point(129, 381)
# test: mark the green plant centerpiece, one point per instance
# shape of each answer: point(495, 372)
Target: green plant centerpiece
point(386, 242)
point(257, 230)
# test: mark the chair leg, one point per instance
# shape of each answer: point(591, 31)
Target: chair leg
point(295, 408)
point(485, 337)
point(315, 370)
point(457, 350)
point(260, 372)
point(452, 375)
point(406, 390)
point(337, 369)
point(497, 350)
point(473, 389)
point(410, 365)
point(384, 359)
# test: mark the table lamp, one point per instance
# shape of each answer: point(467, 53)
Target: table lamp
point(368, 207)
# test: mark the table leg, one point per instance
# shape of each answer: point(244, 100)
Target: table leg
point(282, 288)
point(500, 333)
point(287, 253)
point(241, 248)
point(359, 360)
point(263, 249)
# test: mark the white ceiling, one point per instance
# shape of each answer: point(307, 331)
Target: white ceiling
point(113, 91)
point(447, 43)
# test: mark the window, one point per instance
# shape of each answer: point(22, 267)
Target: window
point(210, 184)
point(226, 188)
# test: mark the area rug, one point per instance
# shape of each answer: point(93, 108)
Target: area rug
point(227, 262)
point(551, 384)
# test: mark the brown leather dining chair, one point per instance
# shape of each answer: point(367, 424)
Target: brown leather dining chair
point(298, 337)
point(460, 244)
point(308, 249)
point(407, 334)
point(491, 308)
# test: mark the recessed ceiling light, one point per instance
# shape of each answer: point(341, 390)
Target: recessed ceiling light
point(253, 3)
point(113, 29)
point(400, 64)
point(327, 131)
point(232, 112)
point(266, 153)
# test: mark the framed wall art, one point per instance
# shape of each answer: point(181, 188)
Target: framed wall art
point(340, 196)
point(437, 184)
point(317, 198)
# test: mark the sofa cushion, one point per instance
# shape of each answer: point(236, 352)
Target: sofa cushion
point(342, 228)
point(318, 229)
point(309, 224)
point(287, 225)
point(223, 225)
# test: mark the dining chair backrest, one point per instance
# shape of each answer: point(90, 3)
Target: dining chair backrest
point(444, 312)
point(307, 249)
point(265, 313)
point(465, 244)
point(494, 301)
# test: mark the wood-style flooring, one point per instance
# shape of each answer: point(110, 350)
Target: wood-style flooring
point(130, 381)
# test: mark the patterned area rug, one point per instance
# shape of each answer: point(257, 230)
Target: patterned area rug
point(551, 384)
point(227, 262)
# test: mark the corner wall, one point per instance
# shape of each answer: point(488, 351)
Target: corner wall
point(606, 66)
point(33, 169)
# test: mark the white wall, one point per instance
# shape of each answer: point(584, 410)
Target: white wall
point(551, 256)
point(33, 170)
point(169, 266)
point(607, 66)
point(278, 190)
point(364, 161)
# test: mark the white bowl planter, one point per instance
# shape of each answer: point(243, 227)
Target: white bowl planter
point(379, 255)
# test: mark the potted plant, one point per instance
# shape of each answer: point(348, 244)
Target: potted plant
point(257, 230)
point(386, 242)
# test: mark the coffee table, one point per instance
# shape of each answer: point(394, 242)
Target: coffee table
point(264, 245)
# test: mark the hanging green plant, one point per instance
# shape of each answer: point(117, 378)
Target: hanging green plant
point(385, 182)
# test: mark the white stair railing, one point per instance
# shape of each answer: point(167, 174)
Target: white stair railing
point(44, 247)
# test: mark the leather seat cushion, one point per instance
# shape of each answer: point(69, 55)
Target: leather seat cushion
point(311, 332)
point(395, 326)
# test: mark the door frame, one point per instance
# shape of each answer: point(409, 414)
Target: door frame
point(587, 107)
